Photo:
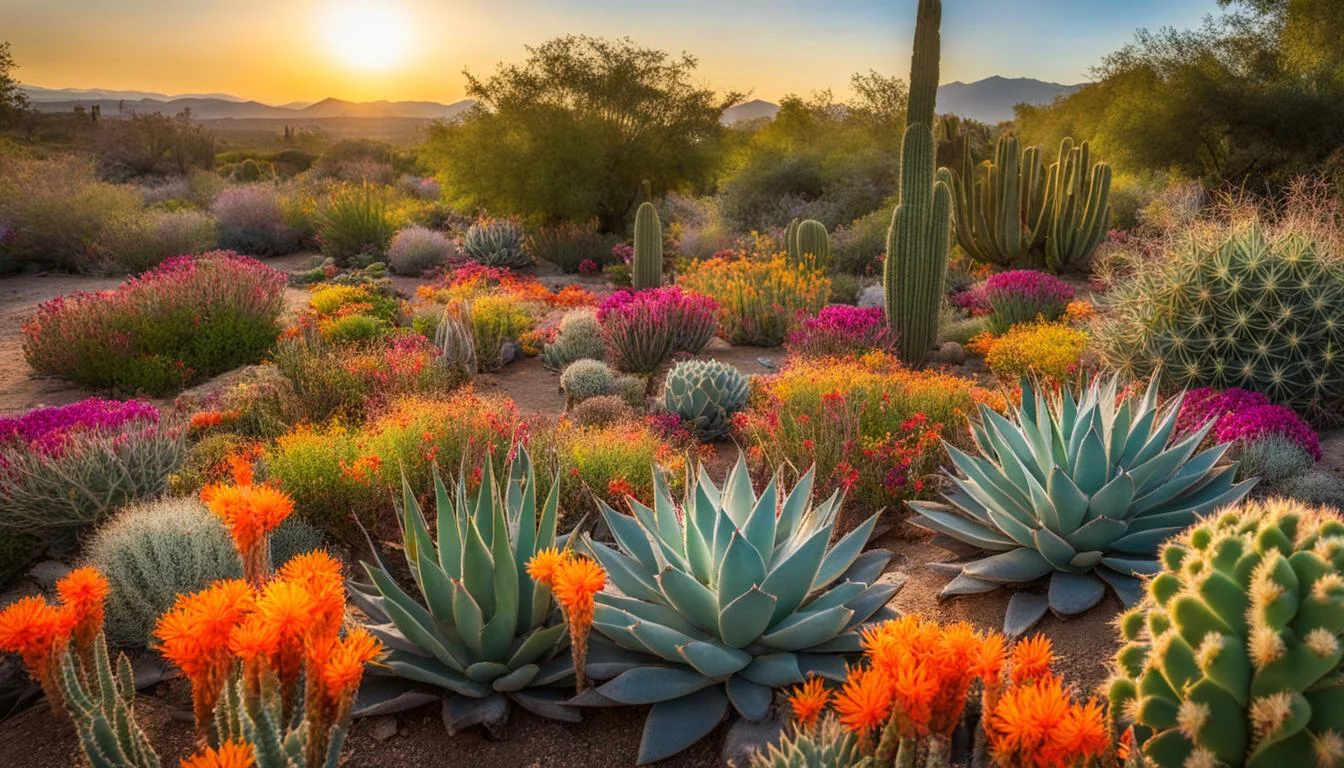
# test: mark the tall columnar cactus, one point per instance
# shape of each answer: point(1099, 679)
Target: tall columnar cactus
point(1078, 195)
point(918, 240)
point(1233, 658)
point(1000, 219)
point(647, 271)
point(791, 241)
point(812, 242)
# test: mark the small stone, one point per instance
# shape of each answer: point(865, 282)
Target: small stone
point(508, 353)
point(48, 572)
point(383, 728)
point(951, 353)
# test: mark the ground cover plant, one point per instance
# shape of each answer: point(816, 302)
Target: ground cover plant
point(758, 300)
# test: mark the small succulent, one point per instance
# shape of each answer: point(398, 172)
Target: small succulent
point(826, 745)
point(496, 243)
point(479, 628)
point(726, 598)
point(584, 379)
point(579, 338)
point(705, 394)
point(1081, 490)
point(1233, 658)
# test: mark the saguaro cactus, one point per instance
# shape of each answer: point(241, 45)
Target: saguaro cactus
point(919, 236)
point(647, 271)
point(1079, 197)
point(1000, 219)
point(810, 239)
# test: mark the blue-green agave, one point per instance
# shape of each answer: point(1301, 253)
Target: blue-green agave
point(725, 598)
point(479, 628)
point(1082, 490)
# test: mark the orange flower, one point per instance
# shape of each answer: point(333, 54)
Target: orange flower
point(1031, 658)
point(84, 592)
point(865, 701)
point(914, 688)
point(240, 467)
point(542, 566)
point(320, 574)
point(576, 581)
point(345, 667)
point(1035, 725)
point(988, 659)
point(808, 701)
point(194, 635)
point(230, 754)
point(39, 632)
point(250, 513)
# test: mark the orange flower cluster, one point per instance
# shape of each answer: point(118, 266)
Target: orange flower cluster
point(574, 581)
point(40, 632)
point(230, 754)
point(209, 419)
point(250, 513)
point(1036, 724)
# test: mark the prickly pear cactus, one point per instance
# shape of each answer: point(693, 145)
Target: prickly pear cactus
point(1233, 658)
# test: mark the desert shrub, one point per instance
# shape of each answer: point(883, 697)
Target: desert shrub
point(496, 243)
point(1241, 417)
point(758, 300)
point(961, 329)
point(323, 471)
point(1050, 350)
point(415, 250)
point(188, 319)
point(498, 320)
point(1022, 295)
point(250, 220)
point(579, 337)
point(601, 411)
point(65, 469)
point(642, 329)
point(56, 213)
point(857, 247)
point(355, 224)
point(471, 281)
point(845, 289)
point(608, 463)
point(870, 426)
point(1237, 306)
point(359, 160)
point(584, 379)
point(1315, 487)
point(1273, 459)
point(331, 301)
point(146, 240)
point(842, 330)
point(569, 245)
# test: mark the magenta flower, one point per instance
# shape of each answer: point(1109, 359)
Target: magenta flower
point(1020, 295)
point(839, 329)
point(1241, 415)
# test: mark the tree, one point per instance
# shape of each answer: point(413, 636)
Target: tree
point(571, 132)
point(13, 101)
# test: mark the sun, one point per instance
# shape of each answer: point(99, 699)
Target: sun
point(367, 35)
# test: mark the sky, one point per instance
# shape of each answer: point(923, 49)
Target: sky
point(278, 51)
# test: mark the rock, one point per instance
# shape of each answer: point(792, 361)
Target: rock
point(895, 578)
point(871, 296)
point(951, 353)
point(745, 738)
point(508, 353)
point(383, 728)
point(48, 572)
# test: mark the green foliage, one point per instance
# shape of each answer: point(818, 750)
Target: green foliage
point(1316, 486)
point(153, 144)
point(1236, 308)
point(1273, 458)
point(579, 338)
point(725, 597)
point(58, 214)
point(13, 101)
point(587, 378)
point(456, 345)
point(355, 225)
point(827, 745)
point(570, 133)
point(601, 411)
point(476, 626)
point(1233, 655)
point(568, 245)
point(647, 264)
point(918, 240)
point(414, 250)
point(961, 329)
point(705, 394)
point(101, 705)
point(811, 242)
point(496, 243)
point(144, 241)
point(1082, 490)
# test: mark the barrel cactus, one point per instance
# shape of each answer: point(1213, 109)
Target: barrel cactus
point(726, 598)
point(705, 394)
point(1082, 490)
point(1234, 656)
point(828, 744)
point(1254, 311)
point(810, 241)
point(647, 263)
point(479, 628)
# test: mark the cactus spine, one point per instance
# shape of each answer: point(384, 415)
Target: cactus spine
point(1079, 197)
point(647, 271)
point(919, 236)
point(810, 239)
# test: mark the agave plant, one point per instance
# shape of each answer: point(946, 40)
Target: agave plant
point(1082, 490)
point(725, 598)
point(705, 394)
point(479, 629)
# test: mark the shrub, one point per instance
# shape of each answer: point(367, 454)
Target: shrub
point(56, 213)
point(1247, 309)
point(188, 319)
point(415, 250)
point(758, 300)
point(961, 329)
point(1022, 295)
point(601, 411)
point(354, 225)
point(842, 330)
point(704, 395)
point(858, 246)
point(642, 329)
point(497, 320)
point(579, 338)
point(584, 379)
point(1273, 459)
point(1050, 350)
point(250, 220)
point(870, 426)
point(64, 469)
point(496, 243)
point(1241, 416)
point(144, 241)
point(321, 469)
point(330, 301)
point(844, 289)
point(608, 463)
point(569, 245)
point(1316, 487)
point(153, 552)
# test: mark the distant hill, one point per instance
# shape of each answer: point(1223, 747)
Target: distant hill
point(992, 100)
point(751, 110)
point(224, 106)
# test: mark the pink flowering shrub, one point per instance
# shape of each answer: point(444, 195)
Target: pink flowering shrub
point(972, 301)
point(1020, 295)
point(190, 318)
point(1243, 416)
point(64, 469)
point(641, 329)
point(840, 329)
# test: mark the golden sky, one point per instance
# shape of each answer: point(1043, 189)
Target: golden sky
point(278, 51)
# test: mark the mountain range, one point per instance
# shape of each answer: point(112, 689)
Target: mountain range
point(990, 100)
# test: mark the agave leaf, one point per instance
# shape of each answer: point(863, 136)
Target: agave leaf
point(870, 601)
point(470, 621)
point(486, 503)
point(828, 665)
point(738, 497)
point(790, 580)
point(1113, 500)
point(461, 713)
point(1162, 433)
point(423, 670)
point(1019, 565)
point(1068, 502)
point(663, 642)
point(967, 585)
point(1097, 534)
point(699, 557)
point(1153, 472)
point(648, 685)
point(775, 670)
point(1132, 566)
point(868, 566)
point(414, 622)
point(624, 572)
point(415, 536)
point(1010, 437)
point(795, 504)
point(1198, 472)
point(664, 553)
point(1054, 548)
point(546, 703)
point(657, 613)
point(382, 695)
point(742, 621)
point(1090, 469)
point(1119, 431)
point(1144, 542)
point(804, 630)
point(672, 726)
point(691, 599)
point(760, 525)
point(741, 569)
point(844, 553)
point(844, 643)
point(478, 568)
point(989, 479)
point(837, 595)
point(487, 671)
point(1073, 593)
point(714, 660)
point(939, 518)
point(1025, 609)
point(1139, 433)
point(664, 511)
point(537, 644)
point(1216, 494)
point(629, 534)
point(1127, 588)
point(503, 625)
point(967, 504)
point(752, 701)
point(724, 532)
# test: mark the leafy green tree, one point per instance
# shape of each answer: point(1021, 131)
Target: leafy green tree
point(13, 101)
point(571, 132)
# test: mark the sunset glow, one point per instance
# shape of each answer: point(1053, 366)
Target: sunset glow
point(371, 37)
